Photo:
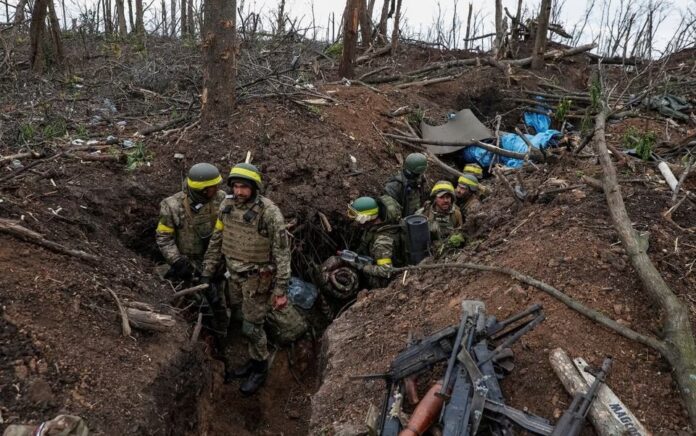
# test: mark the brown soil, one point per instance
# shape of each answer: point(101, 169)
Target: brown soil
point(60, 342)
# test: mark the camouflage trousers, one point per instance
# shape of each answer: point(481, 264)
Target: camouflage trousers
point(254, 291)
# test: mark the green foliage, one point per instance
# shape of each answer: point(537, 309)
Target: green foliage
point(55, 129)
point(334, 50)
point(27, 132)
point(81, 132)
point(416, 117)
point(137, 156)
point(643, 142)
point(562, 109)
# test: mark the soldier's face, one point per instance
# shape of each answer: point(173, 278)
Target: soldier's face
point(443, 202)
point(210, 191)
point(462, 191)
point(241, 191)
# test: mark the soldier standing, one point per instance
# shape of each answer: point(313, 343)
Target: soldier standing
point(250, 234)
point(444, 217)
point(408, 186)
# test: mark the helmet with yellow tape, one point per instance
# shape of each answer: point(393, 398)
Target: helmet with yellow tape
point(472, 168)
point(245, 173)
point(203, 175)
point(363, 209)
point(469, 181)
point(443, 187)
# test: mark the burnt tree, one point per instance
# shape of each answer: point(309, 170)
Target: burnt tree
point(542, 30)
point(350, 37)
point(219, 60)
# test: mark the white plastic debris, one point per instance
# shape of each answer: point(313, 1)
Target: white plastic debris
point(179, 156)
point(77, 142)
point(16, 164)
point(92, 142)
point(668, 175)
point(127, 143)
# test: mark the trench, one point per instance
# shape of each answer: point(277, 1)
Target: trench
point(190, 395)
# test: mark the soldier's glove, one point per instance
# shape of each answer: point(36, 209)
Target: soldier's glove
point(211, 293)
point(182, 269)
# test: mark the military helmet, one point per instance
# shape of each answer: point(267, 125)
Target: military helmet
point(474, 169)
point(441, 188)
point(416, 163)
point(244, 172)
point(203, 175)
point(363, 209)
point(469, 180)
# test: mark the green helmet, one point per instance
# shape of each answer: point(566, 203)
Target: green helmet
point(245, 172)
point(474, 169)
point(203, 175)
point(416, 163)
point(363, 209)
point(469, 181)
point(441, 188)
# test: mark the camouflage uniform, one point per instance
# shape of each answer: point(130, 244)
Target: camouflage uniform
point(252, 238)
point(442, 224)
point(382, 243)
point(408, 193)
point(183, 232)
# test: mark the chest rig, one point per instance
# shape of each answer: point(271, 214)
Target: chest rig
point(244, 238)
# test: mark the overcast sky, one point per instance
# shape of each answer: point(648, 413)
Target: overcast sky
point(421, 14)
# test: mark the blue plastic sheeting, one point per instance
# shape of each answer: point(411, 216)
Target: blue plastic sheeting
point(302, 294)
point(511, 142)
point(539, 122)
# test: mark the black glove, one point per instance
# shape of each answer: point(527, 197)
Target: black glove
point(211, 294)
point(181, 269)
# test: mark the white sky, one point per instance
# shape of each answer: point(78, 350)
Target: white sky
point(421, 14)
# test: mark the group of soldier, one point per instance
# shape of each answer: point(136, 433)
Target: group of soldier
point(237, 244)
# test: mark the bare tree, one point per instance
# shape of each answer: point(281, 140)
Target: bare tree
point(55, 33)
point(384, 16)
point(541, 35)
point(165, 21)
point(468, 26)
point(395, 30)
point(219, 59)
point(280, 18)
point(19, 12)
point(108, 23)
point(172, 11)
point(184, 19)
point(38, 32)
point(121, 17)
point(499, 34)
point(191, 22)
point(350, 37)
point(139, 19)
point(365, 24)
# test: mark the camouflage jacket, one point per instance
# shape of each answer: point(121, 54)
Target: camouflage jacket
point(442, 225)
point(380, 243)
point(182, 231)
point(468, 206)
point(409, 194)
point(270, 226)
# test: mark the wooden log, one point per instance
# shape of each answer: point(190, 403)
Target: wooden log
point(197, 329)
point(618, 410)
point(13, 228)
point(428, 81)
point(188, 291)
point(599, 414)
point(125, 326)
point(150, 321)
point(26, 154)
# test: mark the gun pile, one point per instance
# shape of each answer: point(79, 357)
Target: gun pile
point(468, 399)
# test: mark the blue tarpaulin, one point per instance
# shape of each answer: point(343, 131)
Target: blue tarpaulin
point(544, 138)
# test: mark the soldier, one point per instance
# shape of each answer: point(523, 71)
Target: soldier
point(444, 218)
point(467, 194)
point(381, 242)
point(408, 186)
point(250, 234)
point(186, 223)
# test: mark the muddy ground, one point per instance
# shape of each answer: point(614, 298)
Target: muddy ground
point(62, 349)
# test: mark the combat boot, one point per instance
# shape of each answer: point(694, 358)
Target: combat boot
point(257, 378)
point(241, 371)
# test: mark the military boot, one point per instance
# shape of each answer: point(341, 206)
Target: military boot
point(240, 372)
point(256, 379)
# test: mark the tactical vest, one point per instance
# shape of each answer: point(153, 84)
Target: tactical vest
point(442, 225)
point(243, 239)
point(195, 229)
point(394, 231)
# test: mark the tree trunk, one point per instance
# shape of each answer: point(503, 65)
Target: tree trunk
point(165, 19)
point(467, 40)
point(542, 30)
point(121, 16)
point(19, 12)
point(65, 20)
point(382, 28)
point(191, 23)
point(130, 15)
point(220, 60)
point(139, 19)
point(172, 12)
point(37, 29)
point(350, 38)
point(679, 348)
point(280, 18)
point(108, 24)
point(395, 31)
point(365, 25)
point(55, 34)
point(499, 36)
point(515, 32)
point(184, 19)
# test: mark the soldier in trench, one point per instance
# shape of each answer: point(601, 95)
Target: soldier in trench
point(250, 235)
point(444, 217)
point(186, 223)
point(408, 187)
